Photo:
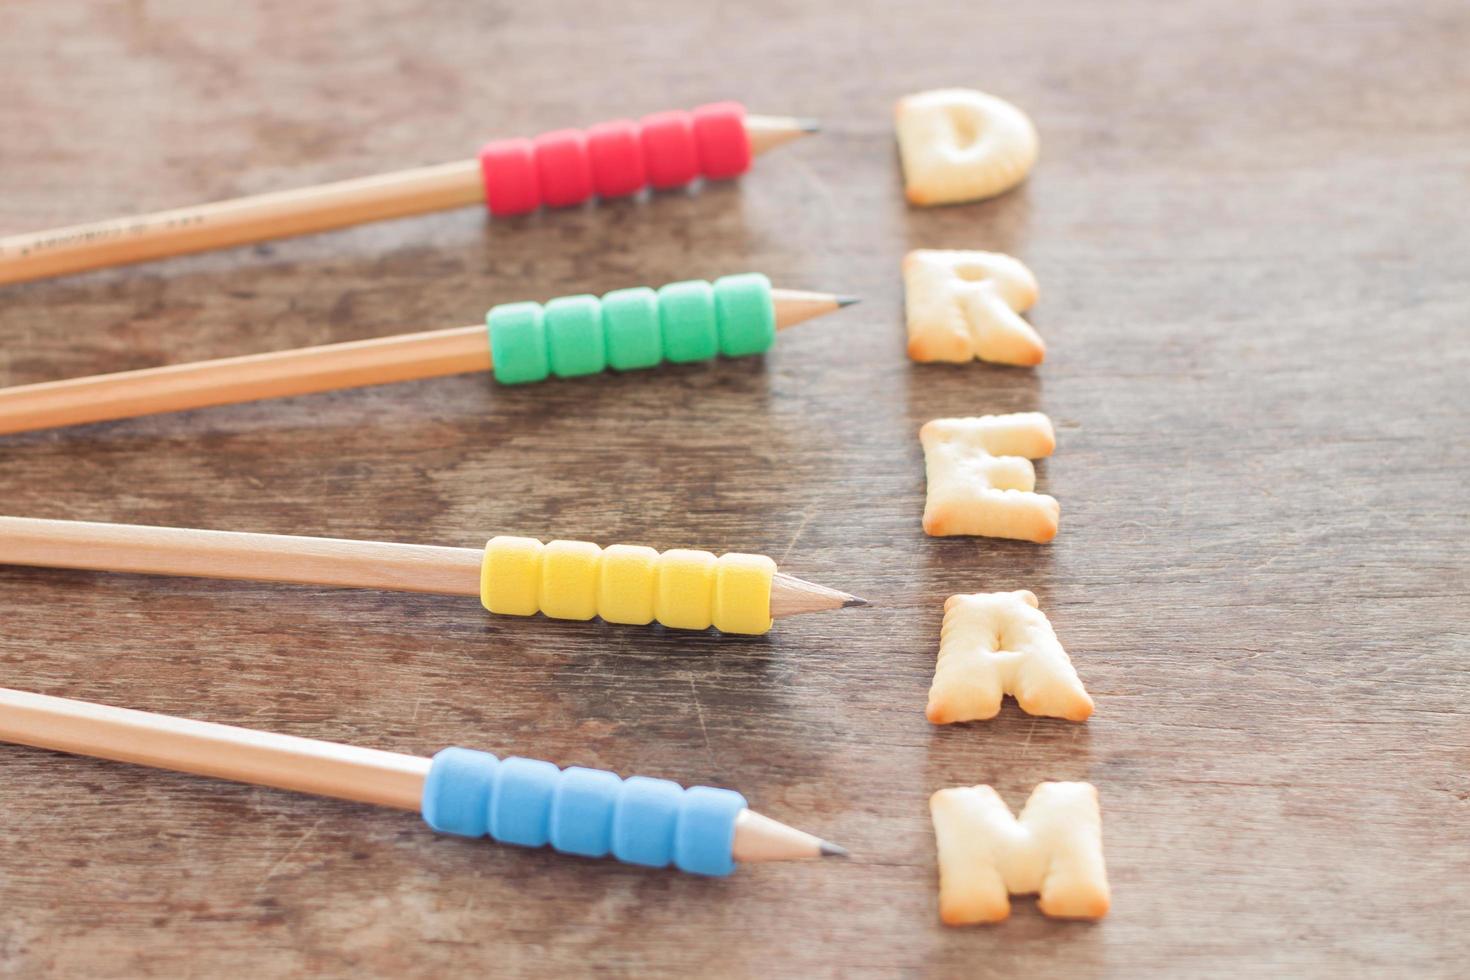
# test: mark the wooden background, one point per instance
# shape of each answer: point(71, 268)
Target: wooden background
point(1249, 223)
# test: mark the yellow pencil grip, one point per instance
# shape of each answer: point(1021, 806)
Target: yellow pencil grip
point(682, 589)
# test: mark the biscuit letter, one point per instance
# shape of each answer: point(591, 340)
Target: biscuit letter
point(981, 480)
point(966, 305)
point(958, 144)
point(1000, 643)
point(986, 855)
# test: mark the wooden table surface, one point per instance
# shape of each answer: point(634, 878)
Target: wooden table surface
point(1249, 223)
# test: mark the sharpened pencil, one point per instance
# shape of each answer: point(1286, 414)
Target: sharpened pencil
point(283, 214)
point(299, 560)
point(289, 762)
point(281, 374)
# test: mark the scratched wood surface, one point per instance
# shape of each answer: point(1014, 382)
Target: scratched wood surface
point(1249, 226)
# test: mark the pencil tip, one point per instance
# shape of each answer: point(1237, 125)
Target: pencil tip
point(831, 850)
point(809, 125)
point(853, 600)
point(847, 300)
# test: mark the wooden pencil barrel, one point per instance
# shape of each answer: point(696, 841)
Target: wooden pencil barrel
point(240, 555)
point(305, 765)
point(225, 381)
point(282, 214)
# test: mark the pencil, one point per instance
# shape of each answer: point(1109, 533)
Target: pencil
point(559, 169)
point(307, 370)
point(512, 576)
point(458, 791)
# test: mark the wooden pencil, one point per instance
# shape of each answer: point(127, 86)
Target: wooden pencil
point(140, 238)
point(289, 762)
point(279, 374)
point(332, 562)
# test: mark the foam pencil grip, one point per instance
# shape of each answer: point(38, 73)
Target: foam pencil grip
point(590, 812)
point(614, 159)
point(632, 328)
point(691, 590)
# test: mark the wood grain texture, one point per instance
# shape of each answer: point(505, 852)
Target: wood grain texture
point(1248, 226)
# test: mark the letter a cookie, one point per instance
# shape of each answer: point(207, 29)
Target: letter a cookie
point(981, 480)
point(986, 854)
point(999, 643)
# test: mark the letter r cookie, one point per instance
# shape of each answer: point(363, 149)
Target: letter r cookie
point(965, 305)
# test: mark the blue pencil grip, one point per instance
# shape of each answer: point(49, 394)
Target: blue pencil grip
point(590, 812)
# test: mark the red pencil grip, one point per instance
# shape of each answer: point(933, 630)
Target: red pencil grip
point(614, 159)
point(617, 158)
point(511, 183)
point(563, 168)
point(723, 144)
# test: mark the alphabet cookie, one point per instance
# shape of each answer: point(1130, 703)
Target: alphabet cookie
point(966, 305)
point(1000, 643)
point(986, 854)
point(981, 480)
point(957, 144)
